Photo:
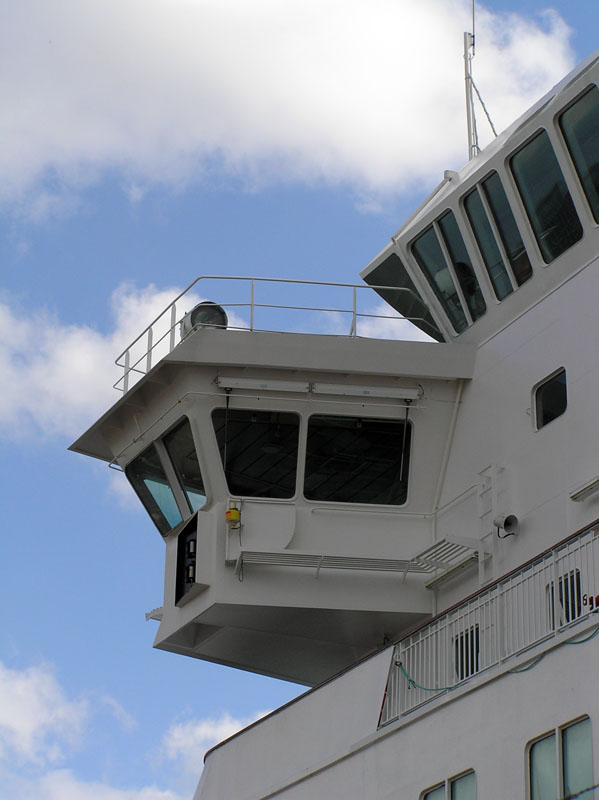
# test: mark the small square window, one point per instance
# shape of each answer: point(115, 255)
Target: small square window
point(551, 398)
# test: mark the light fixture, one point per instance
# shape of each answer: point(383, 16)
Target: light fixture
point(205, 315)
point(263, 385)
point(354, 390)
point(584, 491)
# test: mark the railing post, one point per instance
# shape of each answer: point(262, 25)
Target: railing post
point(171, 346)
point(353, 329)
point(252, 304)
point(149, 353)
point(126, 373)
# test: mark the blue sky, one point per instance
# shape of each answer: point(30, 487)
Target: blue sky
point(146, 143)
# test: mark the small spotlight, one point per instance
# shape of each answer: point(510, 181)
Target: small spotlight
point(205, 315)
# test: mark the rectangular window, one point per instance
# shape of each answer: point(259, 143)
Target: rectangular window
point(569, 599)
point(550, 398)
point(580, 128)
point(507, 228)
point(258, 450)
point(357, 460)
point(483, 233)
point(546, 197)
point(462, 266)
point(427, 252)
point(467, 653)
point(560, 764)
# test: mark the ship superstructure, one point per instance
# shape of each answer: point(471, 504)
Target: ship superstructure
point(409, 527)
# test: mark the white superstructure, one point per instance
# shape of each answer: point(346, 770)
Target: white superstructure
point(410, 528)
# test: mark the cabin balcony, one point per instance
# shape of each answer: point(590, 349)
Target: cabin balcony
point(494, 629)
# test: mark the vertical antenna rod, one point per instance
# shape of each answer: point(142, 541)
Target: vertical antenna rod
point(473, 148)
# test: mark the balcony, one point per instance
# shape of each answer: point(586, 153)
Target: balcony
point(531, 605)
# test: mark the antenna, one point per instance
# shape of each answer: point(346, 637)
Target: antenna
point(469, 52)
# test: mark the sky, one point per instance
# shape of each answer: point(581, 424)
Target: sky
point(144, 143)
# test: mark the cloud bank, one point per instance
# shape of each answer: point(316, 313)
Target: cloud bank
point(41, 727)
point(175, 91)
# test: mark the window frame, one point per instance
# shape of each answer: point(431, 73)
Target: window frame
point(448, 784)
point(537, 387)
point(593, 219)
point(343, 503)
point(172, 477)
point(557, 734)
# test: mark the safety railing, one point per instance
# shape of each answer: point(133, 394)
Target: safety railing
point(248, 311)
point(532, 604)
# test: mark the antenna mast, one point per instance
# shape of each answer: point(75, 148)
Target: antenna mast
point(473, 147)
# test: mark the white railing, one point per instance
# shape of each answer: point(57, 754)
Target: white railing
point(161, 336)
point(496, 625)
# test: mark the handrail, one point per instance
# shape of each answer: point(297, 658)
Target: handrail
point(143, 363)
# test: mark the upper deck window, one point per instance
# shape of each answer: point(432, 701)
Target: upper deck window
point(546, 197)
point(356, 460)
point(431, 260)
point(462, 265)
point(580, 127)
point(486, 206)
point(182, 453)
point(148, 478)
point(258, 450)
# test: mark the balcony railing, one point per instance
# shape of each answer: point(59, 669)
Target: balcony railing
point(330, 308)
point(533, 604)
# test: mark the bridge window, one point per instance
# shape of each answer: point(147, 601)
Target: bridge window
point(357, 460)
point(427, 252)
point(502, 286)
point(546, 197)
point(551, 398)
point(148, 478)
point(580, 127)
point(560, 764)
point(182, 453)
point(462, 265)
point(258, 450)
point(506, 226)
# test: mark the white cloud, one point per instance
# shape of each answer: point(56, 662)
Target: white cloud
point(335, 90)
point(38, 723)
point(63, 785)
point(186, 742)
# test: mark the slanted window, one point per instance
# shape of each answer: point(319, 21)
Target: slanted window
point(462, 265)
point(546, 197)
point(148, 478)
point(580, 127)
point(461, 788)
point(483, 233)
point(551, 398)
point(357, 460)
point(560, 764)
point(182, 453)
point(506, 227)
point(427, 252)
point(258, 450)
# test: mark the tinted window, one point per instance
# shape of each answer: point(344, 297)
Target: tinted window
point(543, 769)
point(356, 460)
point(431, 260)
point(258, 450)
point(577, 758)
point(149, 481)
point(580, 127)
point(462, 265)
point(181, 449)
point(507, 228)
point(546, 197)
point(551, 398)
point(485, 239)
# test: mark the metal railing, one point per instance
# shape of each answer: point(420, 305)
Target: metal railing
point(535, 603)
point(161, 336)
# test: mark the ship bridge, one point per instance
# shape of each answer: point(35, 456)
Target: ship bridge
point(294, 477)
